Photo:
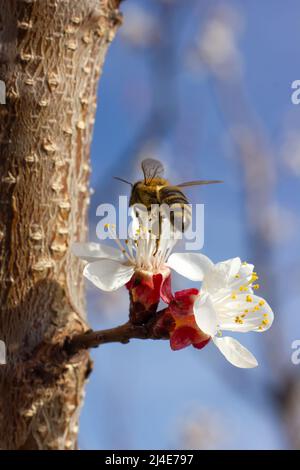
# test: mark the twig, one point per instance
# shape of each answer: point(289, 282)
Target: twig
point(120, 334)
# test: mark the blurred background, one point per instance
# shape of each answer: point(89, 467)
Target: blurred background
point(204, 86)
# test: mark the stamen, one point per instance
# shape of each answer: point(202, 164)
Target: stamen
point(112, 232)
point(238, 320)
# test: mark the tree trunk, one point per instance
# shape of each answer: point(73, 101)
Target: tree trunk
point(52, 53)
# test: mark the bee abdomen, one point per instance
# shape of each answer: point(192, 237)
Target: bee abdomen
point(172, 195)
point(181, 211)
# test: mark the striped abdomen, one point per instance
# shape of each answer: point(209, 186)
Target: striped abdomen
point(180, 214)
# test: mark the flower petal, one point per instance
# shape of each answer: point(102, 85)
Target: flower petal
point(93, 251)
point(108, 275)
point(230, 267)
point(205, 315)
point(235, 353)
point(247, 312)
point(222, 275)
point(193, 266)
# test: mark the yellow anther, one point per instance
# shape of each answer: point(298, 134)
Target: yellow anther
point(265, 322)
point(256, 308)
point(237, 276)
point(261, 303)
point(246, 311)
point(255, 286)
point(243, 288)
point(106, 225)
point(249, 298)
point(238, 320)
point(234, 296)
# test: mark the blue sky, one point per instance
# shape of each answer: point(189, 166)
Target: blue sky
point(140, 394)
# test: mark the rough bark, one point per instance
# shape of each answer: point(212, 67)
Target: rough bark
point(52, 53)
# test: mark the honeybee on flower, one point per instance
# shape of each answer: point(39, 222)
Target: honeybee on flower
point(154, 190)
point(225, 301)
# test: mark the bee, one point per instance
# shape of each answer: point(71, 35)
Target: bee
point(154, 189)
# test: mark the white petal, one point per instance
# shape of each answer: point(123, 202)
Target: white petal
point(193, 266)
point(108, 275)
point(222, 275)
point(93, 251)
point(235, 353)
point(230, 267)
point(246, 270)
point(205, 315)
point(242, 278)
point(243, 316)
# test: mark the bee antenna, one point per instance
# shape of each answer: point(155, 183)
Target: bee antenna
point(123, 181)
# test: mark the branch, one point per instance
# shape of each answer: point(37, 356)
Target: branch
point(120, 334)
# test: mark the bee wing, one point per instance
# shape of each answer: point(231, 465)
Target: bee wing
point(197, 183)
point(152, 169)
